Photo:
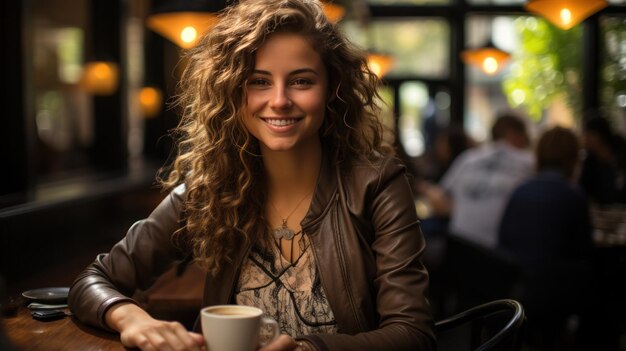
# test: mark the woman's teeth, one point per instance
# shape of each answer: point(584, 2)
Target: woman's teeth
point(281, 122)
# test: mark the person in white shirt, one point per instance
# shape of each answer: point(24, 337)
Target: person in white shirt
point(476, 188)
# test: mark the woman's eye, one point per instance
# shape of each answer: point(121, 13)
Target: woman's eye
point(301, 82)
point(258, 82)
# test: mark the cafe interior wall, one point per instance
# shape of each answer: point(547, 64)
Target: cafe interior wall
point(82, 166)
point(82, 162)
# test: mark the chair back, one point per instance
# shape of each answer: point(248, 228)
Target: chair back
point(475, 274)
point(496, 325)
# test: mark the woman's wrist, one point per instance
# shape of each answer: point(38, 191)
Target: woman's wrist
point(123, 314)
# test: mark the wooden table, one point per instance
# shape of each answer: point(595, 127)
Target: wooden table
point(29, 334)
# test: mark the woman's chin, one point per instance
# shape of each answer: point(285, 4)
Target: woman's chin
point(278, 147)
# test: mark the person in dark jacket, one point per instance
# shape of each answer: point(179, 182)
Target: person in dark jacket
point(283, 190)
point(546, 227)
point(603, 175)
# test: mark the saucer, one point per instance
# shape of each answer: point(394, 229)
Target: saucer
point(49, 295)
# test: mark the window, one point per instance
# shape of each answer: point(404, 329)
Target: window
point(408, 2)
point(67, 132)
point(613, 77)
point(497, 2)
point(424, 111)
point(542, 81)
point(419, 47)
point(62, 111)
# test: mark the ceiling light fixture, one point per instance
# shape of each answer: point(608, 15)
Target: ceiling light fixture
point(100, 77)
point(182, 28)
point(150, 101)
point(185, 21)
point(488, 58)
point(565, 14)
point(379, 63)
point(333, 12)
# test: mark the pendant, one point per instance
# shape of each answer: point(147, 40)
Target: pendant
point(284, 232)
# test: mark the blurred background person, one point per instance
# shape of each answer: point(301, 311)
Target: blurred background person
point(475, 189)
point(603, 175)
point(546, 227)
point(446, 146)
point(449, 143)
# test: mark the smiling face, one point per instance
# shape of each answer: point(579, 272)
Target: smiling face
point(286, 94)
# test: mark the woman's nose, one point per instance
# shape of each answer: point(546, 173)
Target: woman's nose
point(280, 99)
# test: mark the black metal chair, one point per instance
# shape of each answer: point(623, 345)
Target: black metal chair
point(473, 275)
point(496, 325)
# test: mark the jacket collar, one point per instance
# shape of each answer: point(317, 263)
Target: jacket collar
point(325, 191)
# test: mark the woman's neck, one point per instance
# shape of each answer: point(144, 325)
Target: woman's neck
point(292, 174)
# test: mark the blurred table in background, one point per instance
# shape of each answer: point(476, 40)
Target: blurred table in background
point(609, 223)
point(609, 237)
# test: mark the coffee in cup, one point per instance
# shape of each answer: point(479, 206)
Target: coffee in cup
point(235, 327)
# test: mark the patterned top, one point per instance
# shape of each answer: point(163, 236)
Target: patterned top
point(290, 293)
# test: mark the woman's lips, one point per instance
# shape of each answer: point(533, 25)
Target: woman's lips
point(281, 123)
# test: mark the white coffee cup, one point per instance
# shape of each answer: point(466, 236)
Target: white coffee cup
point(235, 327)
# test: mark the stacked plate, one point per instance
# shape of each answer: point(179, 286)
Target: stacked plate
point(47, 303)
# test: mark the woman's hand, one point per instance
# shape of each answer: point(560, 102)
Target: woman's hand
point(138, 329)
point(286, 343)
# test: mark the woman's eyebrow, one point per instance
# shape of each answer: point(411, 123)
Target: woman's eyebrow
point(258, 71)
point(303, 70)
point(297, 71)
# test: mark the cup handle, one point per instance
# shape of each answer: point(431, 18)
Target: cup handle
point(273, 325)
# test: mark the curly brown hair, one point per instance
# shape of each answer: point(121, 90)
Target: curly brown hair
point(218, 159)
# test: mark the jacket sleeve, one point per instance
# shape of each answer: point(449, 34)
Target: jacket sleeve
point(401, 281)
point(133, 263)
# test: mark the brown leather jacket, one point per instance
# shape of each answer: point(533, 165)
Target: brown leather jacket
point(367, 244)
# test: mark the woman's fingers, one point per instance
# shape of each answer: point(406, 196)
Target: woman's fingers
point(181, 337)
point(198, 339)
point(163, 336)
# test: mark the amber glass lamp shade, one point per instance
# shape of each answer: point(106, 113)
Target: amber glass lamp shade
point(333, 12)
point(100, 77)
point(565, 14)
point(380, 64)
point(182, 28)
point(150, 101)
point(488, 59)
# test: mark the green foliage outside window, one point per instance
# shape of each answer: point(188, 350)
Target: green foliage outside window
point(614, 60)
point(546, 66)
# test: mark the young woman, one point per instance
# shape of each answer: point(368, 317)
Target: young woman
point(283, 191)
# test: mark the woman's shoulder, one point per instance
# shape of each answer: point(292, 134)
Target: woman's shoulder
point(374, 169)
point(174, 200)
point(374, 163)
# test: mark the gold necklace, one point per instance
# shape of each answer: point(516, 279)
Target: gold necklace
point(284, 231)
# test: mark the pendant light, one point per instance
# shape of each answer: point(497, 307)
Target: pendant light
point(379, 63)
point(333, 12)
point(100, 77)
point(565, 14)
point(489, 59)
point(150, 101)
point(182, 28)
point(184, 21)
